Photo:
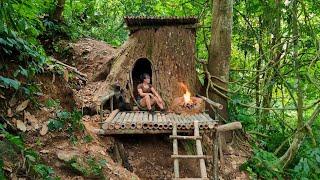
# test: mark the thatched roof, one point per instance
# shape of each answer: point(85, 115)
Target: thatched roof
point(136, 21)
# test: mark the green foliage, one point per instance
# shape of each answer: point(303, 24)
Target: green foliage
point(263, 165)
point(308, 166)
point(55, 125)
point(88, 138)
point(1, 170)
point(44, 171)
point(53, 103)
point(88, 166)
point(7, 83)
point(69, 121)
point(13, 148)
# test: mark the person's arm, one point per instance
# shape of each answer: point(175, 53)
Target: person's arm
point(155, 93)
point(141, 93)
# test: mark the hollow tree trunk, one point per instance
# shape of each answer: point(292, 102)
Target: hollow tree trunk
point(220, 48)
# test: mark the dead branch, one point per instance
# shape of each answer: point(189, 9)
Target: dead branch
point(215, 104)
point(73, 69)
point(229, 127)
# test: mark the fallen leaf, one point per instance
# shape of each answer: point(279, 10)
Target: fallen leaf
point(13, 101)
point(67, 155)
point(7, 165)
point(66, 75)
point(44, 151)
point(14, 121)
point(31, 120)
point(29, 128)
point(22, 106)
point(10, 114)
point(44, 129)
point(1, 96)
point(21, 126)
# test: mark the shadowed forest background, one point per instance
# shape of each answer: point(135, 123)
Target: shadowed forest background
point(272, 85)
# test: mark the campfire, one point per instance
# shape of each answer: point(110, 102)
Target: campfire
point(187, 104)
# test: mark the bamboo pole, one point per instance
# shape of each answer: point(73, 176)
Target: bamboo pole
point(165, 120)
point(160, 121)
point(177, 121)
point(150, 121)
point(124, 123)
point(170, 120)
point(189, 121)
point(190, 157)
point(175, 152)
point(135, 118)
point(203, 169)
point(185, 137)
point(139, 120)
point(113, 121)
point(183, 124)
point(109, 119)
point(155, 121)
point(132, 122)
point(145, 120)
point(117, 124)
point(128, 120)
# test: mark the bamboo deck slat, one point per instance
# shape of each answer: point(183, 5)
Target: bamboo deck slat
point(143, 122)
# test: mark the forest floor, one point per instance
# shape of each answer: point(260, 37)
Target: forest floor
point(144, 157)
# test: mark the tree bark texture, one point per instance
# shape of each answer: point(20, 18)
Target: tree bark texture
point(220, 48)
point(171, 52)
point(57, 14)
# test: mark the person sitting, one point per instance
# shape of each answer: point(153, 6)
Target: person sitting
point(147, 95)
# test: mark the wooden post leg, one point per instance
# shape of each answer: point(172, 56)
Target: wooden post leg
point(101, 112)
point(203, 169)
point(111, 104)
point(215, 156)
point(220, 146)
point(175, 152)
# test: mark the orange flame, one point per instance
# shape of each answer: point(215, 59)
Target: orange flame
point(187, 94)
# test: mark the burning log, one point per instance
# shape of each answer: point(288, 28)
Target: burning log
point(187, 105)
point(193, 106)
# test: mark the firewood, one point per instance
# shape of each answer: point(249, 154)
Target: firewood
point(229, 127)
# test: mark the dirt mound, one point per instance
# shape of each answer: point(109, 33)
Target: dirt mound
point(89, 55)
point(150, 157)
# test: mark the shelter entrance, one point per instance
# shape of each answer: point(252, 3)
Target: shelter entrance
point(141, 66)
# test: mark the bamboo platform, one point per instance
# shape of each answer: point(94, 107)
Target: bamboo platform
point(142, 122)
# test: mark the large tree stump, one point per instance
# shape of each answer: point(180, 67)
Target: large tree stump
point(171, 53)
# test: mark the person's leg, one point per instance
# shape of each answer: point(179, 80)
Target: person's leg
point(159, 103)
point(146, 102)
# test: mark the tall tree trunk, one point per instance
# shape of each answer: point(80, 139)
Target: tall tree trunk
point(220, 48)
point(299, 136)
point(276, 54)
point(57, 14)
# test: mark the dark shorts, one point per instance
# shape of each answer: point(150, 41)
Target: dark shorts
point(138, 99)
